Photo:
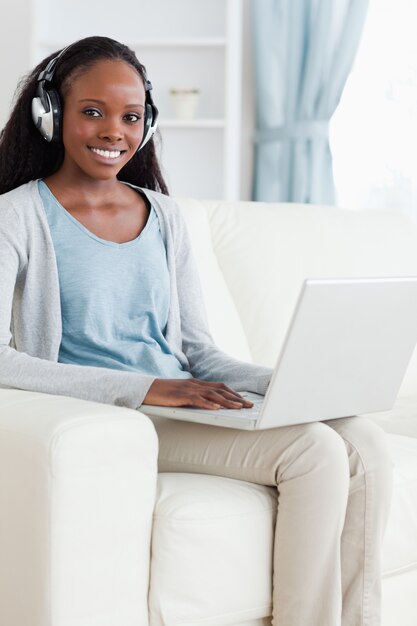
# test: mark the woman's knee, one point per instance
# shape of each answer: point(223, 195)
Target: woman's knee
point(368, 442)
point(318, 453)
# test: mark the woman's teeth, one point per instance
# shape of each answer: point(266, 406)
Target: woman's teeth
point(108, 154)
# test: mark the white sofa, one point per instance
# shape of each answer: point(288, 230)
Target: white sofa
point(87, 527)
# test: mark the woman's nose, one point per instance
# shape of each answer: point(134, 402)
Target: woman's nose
point(111, 130)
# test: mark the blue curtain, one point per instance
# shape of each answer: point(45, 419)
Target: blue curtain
point(303, 52)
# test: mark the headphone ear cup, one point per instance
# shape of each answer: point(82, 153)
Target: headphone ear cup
point(56, 109)
point(149, 126)
point(47, 117)
point(38, 111)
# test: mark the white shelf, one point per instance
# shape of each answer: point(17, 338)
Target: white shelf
point(181, 42)
point(193, 123)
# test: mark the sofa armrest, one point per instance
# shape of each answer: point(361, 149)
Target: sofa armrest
point(77, 492)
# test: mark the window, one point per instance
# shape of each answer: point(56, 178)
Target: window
point(373, 133)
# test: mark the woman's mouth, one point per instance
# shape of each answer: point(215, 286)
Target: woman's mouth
point(106, 154)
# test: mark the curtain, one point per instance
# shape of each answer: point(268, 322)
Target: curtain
point(303, 52)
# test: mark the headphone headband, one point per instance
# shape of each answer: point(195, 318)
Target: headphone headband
point(48, 73)
point(47, 108)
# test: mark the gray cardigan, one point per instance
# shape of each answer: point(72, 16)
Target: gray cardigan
point(30, 313)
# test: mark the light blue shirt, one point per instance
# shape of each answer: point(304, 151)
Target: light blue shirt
point(114, 296)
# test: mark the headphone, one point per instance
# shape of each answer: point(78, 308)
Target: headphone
point(47, 108)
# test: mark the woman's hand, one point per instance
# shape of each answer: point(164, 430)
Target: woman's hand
point(194, 392)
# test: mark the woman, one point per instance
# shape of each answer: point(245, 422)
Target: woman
point(100, 299)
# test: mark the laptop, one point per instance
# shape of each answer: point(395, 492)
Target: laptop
point(345, 352)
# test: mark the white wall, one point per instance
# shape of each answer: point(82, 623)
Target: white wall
point(15, 49)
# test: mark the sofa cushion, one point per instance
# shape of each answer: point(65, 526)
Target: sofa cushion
point(400, 544)
point(402, 419)
point(213, 539)
point(212, 545)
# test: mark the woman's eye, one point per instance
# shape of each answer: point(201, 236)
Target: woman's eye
point(91, 112)
point(132, 117)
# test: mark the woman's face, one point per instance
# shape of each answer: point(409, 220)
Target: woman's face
point(103, 120)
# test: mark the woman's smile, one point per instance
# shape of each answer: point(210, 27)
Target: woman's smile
point(106, 154)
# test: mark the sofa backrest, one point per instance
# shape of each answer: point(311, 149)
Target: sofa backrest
point(224, 319)
point(262, 252)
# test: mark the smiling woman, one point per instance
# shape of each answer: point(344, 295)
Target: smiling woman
point(100, 299)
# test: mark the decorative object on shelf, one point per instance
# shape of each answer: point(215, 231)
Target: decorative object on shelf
point(185, 102)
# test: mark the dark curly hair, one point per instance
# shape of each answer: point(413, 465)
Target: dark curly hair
point(26, 156)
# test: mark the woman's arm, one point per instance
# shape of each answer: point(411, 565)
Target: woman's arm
point(23, 371)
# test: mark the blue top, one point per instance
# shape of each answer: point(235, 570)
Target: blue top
point(114, 296)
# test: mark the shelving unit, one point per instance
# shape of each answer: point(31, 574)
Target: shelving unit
point(183, 44)
point(204, 42)
point(193, 123)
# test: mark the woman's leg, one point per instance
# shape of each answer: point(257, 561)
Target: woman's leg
point(309, 465)
point(366, 517)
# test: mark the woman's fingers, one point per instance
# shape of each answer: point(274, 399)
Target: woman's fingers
point(232, 401)
point(222, 400)
point(227, 396)
point(194, 392)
